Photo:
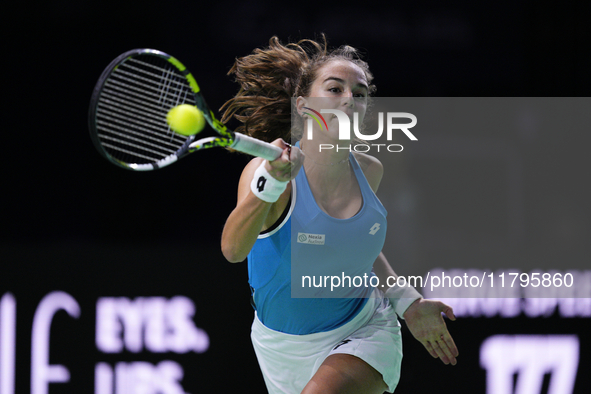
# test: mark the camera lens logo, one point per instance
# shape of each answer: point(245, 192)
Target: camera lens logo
point(316, 117)
point(302, 238)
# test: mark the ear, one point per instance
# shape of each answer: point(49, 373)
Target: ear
point(300, 104)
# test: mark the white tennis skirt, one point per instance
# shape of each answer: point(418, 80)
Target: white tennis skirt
point(288, 361)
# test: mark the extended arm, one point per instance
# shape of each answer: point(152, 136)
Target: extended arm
point(423, 317)
point(252, 214)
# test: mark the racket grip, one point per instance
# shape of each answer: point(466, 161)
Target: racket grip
point(254, 147)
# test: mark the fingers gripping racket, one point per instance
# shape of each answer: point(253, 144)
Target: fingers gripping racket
point(128, 108)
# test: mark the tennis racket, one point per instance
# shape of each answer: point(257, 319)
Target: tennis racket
point(128, 108)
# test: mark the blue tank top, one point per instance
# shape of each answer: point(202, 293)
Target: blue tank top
point(310, 243)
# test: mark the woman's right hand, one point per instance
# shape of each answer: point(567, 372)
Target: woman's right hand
point(286, 166)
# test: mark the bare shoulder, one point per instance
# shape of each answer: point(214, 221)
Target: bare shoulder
point(372, 169)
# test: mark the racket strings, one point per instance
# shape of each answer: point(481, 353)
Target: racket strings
point(160, 87)
point(132, 107)
point(118, 148)
point(152, 100)
point(129, 113)
point(123, 129)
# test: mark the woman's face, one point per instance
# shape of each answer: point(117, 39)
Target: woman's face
point(341, 85)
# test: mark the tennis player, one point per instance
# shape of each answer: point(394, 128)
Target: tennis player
point(318, 345)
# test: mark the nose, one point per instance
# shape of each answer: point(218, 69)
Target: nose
point(347, 99)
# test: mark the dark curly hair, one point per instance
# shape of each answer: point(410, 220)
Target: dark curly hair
point(270, 77)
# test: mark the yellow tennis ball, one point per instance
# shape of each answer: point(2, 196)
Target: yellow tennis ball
point(185, 119)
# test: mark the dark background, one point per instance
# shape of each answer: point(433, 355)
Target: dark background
point(73, 222)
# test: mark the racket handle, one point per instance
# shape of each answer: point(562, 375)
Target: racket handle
point(254, 147)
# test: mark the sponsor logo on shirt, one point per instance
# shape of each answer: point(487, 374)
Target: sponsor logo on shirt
point(374, 229)
point(311, 239)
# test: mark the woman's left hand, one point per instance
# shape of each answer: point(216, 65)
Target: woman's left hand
point(425, 322)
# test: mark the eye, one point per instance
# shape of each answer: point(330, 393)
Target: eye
point(334, 90)
point(359, 95)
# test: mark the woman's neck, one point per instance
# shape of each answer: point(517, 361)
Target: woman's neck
point(329, 154)
point(330, 176)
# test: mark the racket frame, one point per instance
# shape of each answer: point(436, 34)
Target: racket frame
point(226, 138)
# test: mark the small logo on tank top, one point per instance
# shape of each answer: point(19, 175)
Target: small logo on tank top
point(374, 229)
point(311, 239)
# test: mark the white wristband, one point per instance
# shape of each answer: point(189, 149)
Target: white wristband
point(265, 187)
point(402, 297)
